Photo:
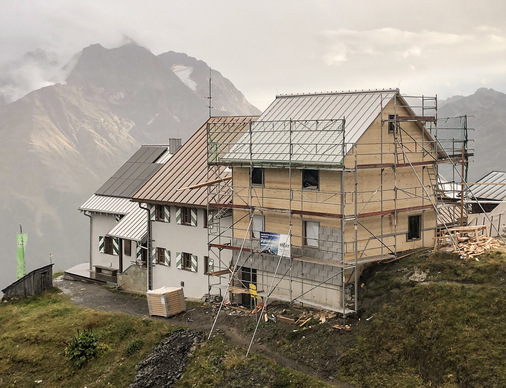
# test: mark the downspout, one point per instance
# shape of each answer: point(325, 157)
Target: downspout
point(149, 265)
point(89, 215)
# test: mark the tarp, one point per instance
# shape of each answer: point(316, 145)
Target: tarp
point(22, 239)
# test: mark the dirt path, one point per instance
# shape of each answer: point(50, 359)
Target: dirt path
point(200, 318)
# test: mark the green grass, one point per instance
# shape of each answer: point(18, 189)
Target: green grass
point(35, 332)
point(448, 331)
point(219, 364)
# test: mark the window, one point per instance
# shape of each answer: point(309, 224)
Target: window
point(391, 123)
point(186, 216)
point(257, 176)
point(160, 256)
point(108, 245)
point(257, 225)
point(127, 247)
point(310, 179)
point(206, 218)
point(159, 213)
point(311, 231)
point(414, 227)
point(186, 261)
point(208, 265)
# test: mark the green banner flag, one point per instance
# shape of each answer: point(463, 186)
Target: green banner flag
point(21, 245)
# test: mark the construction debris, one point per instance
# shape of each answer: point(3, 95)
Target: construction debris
point(342, 327)
point(468, 241)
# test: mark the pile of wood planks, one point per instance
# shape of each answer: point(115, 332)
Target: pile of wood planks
point(471, 249)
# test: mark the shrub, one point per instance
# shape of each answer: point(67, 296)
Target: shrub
point(134, 346)
point(81, 348)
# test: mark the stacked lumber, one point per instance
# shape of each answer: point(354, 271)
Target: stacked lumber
point(166, 301)
point(472, 249)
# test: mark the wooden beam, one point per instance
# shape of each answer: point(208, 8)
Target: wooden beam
point(208, 183)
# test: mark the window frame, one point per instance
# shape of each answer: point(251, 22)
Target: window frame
point(159, 213)
point(262, 218)
point(160, 256)
point(206, 265)
point(391, 123)
point(262, 176)
point(184, 257)
point(310, 172)
point(306, 239)
point(186, 216)
point(411, 235)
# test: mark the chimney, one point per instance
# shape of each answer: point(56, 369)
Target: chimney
point(174, 145)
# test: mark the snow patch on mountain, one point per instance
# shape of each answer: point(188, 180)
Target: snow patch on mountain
point(183, 73)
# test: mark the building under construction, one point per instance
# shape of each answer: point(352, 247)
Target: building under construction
point(319, 186)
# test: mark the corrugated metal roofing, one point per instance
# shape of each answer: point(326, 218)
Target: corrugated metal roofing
point(109, 205)
point(187, 167)
point(491, 192)
point(314, 145)
point(134, 226)
point(135, 172)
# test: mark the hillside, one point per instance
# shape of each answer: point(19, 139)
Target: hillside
point(425, 320)
point(487, 115)
point(61, 142)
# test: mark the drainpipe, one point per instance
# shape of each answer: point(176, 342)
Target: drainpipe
point(149, 265)
point(87, 214)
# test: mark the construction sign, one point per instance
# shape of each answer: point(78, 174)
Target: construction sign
point(275, 243)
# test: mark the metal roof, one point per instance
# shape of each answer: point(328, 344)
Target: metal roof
point(109, 205)
point(134, 226)
point(313, 125)
point(135, 172)
point(493, 191)
point(187, 167)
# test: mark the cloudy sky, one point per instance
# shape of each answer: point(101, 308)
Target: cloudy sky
point(268, 47)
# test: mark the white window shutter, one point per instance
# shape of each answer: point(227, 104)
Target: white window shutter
point(167, 257)
point(194, 217)
point(152, 212)
point(101, 244)
point(210, 265)
point(195, 263)
point(178, 215)
point(115, 246)
point(138, 254)
point(166, 213)
point(179, 261)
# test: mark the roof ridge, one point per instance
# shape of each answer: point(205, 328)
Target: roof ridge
point(341, 92)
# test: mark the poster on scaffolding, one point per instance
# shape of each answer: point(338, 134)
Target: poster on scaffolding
point(275, 243)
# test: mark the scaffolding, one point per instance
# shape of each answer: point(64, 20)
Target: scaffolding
point(337, 201)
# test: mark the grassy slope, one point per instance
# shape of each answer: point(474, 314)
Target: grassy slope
point(446, 331)
point(35, 332)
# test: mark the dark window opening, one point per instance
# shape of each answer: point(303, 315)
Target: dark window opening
point(257, 176)
point(391, 123)
point(414, 227)
point(127, 247)
point(186, 261)
point(108, 245)
point(206, 265)
point(310, 179)
point(159, 213)
point(186, 216)
point(206, 218)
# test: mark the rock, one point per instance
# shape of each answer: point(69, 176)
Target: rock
point(165, 365)
point(418, 276)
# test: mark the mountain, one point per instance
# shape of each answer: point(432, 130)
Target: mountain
point(486, 111)
point(62, 141)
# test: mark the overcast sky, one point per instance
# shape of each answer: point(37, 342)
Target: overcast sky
point(271, 47)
